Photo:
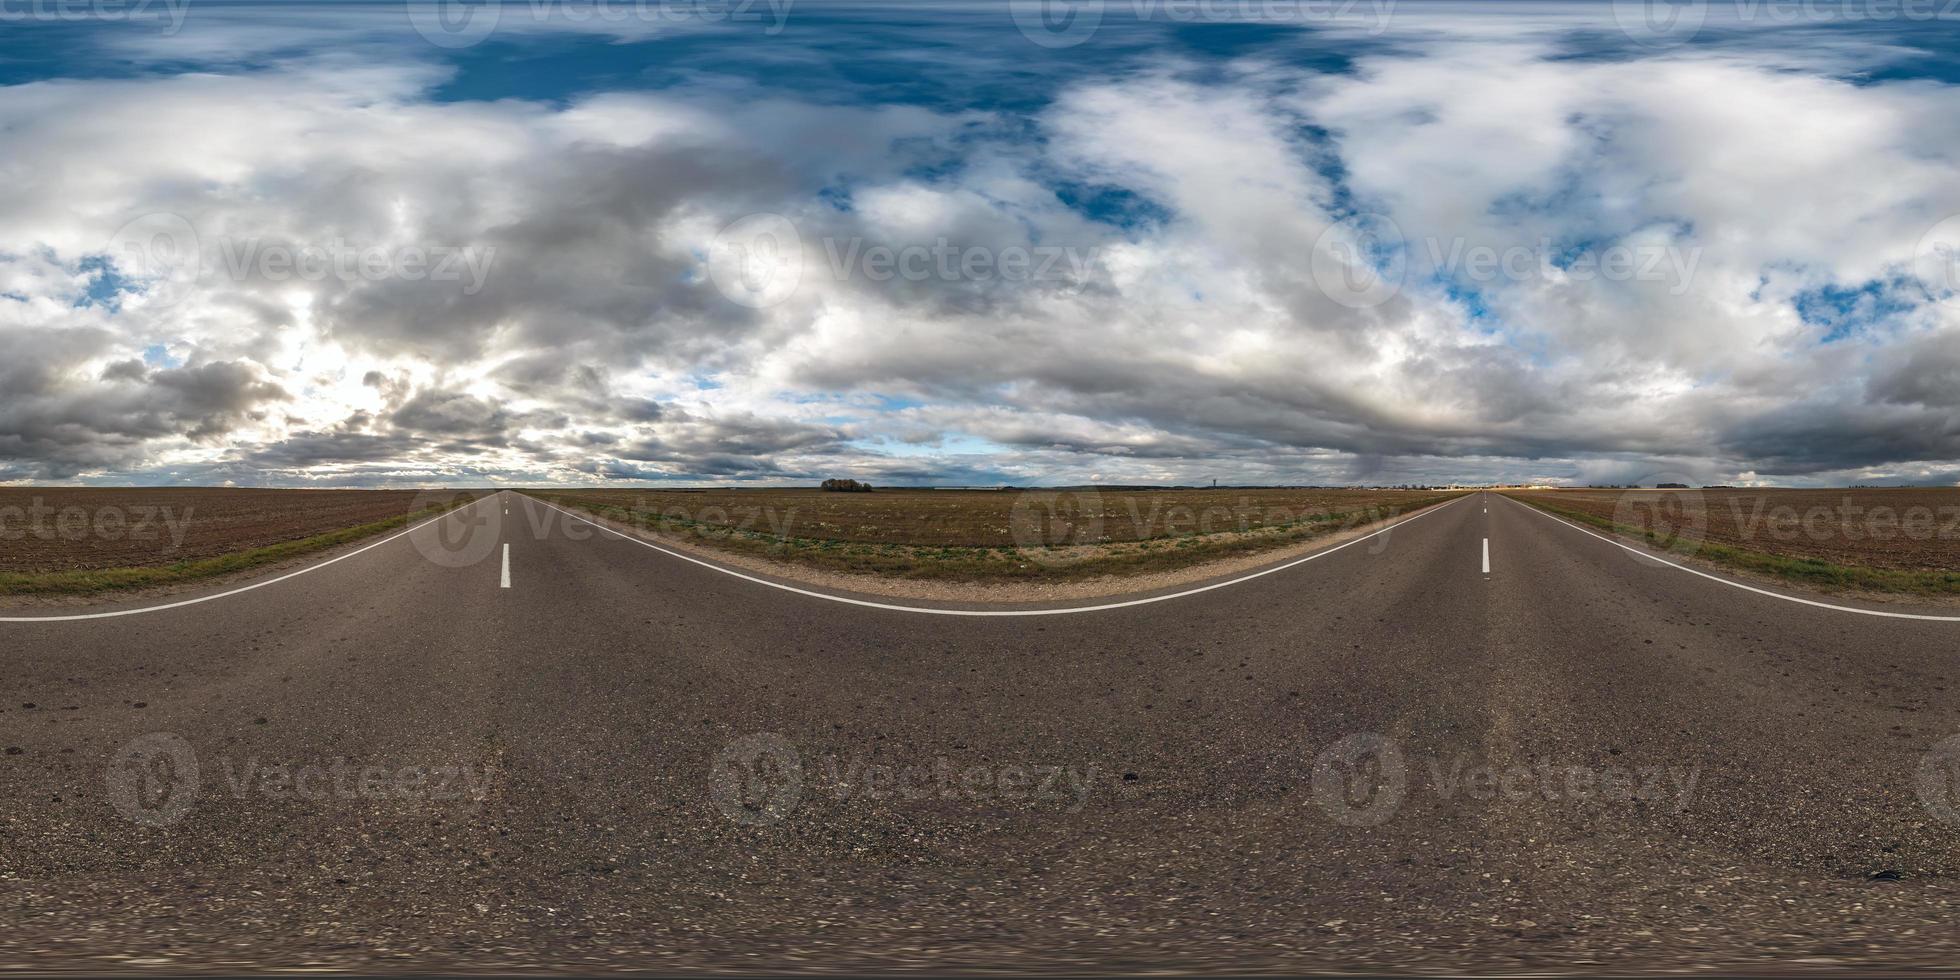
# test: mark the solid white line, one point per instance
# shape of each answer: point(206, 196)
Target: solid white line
point(1645, 553)
point(248, 588)
point(506, 566)
point(1486, 556)
point(930, 611)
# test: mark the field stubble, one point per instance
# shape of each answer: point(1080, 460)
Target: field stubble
point(997, 535)
point(1898, 540)
point(59, 540)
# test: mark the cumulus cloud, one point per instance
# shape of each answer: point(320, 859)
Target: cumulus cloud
point(1456, 256)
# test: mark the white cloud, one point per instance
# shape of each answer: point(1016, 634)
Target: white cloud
point(1179, 331)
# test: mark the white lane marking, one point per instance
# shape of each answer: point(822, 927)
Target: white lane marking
point(1737, 585)
point(1069, 610)
point(248, 588)
point(1486, 556)
point(506, 566)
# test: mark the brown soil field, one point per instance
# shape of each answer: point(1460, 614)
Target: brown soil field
point(993, 518)
point(61, 529)
point(1904, 539)
point(986, 535)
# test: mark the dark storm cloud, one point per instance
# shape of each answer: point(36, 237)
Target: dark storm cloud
point(56, 421)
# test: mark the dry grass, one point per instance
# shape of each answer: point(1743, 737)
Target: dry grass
point(1904, 540)
point(57, 541)
point(996, 535)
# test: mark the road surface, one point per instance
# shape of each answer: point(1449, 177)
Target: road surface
point(1486, 740)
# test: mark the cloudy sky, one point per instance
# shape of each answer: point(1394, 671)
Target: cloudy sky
point(714, 241)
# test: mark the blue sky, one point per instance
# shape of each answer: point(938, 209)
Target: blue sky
point(1148, 241)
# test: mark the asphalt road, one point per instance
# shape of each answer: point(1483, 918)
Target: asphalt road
point(1385, 758)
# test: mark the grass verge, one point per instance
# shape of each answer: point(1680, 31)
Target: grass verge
point(1806, 571)
point(96, 581)
point(994, 564)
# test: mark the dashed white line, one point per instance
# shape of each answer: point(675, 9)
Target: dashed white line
point(506, 566)
point(1645, 553)
point(1486, 556)
point(1065, 611)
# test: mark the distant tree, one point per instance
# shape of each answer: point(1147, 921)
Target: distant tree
point(847, 486)
point(1670, 486)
